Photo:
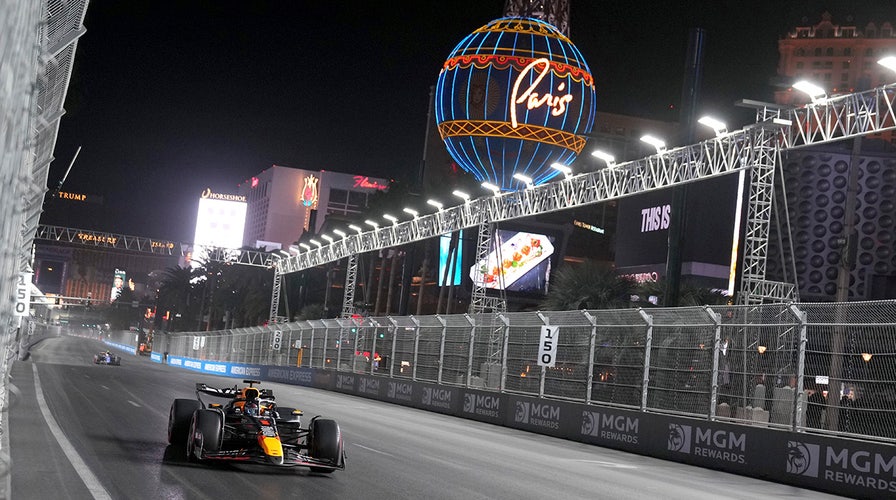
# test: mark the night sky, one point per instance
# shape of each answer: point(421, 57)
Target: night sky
point(168, 98)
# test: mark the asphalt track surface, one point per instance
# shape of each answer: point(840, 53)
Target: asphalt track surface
point(81, 431)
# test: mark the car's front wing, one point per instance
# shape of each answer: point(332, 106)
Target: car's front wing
point(292, 458)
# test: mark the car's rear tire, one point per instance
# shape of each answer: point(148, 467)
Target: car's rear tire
point(206, 433)
point(179, 419)
point(325, 443)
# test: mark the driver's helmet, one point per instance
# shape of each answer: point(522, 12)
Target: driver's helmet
point(251, 407)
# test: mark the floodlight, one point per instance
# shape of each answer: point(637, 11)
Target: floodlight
point(606, 157)
point(658, 144)
point(716, 125)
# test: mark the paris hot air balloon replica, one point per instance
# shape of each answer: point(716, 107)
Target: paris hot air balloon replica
point(515, 96)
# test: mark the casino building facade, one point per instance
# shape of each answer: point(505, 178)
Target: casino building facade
point(284, 202)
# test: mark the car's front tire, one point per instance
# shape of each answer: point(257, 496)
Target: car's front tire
point(206, 433)
point(325, 443)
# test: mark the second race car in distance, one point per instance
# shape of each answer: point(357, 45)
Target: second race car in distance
point(106, 358)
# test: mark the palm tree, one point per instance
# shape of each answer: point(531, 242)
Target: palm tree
point(588, 285)
point(690, 294)
point(176, 291)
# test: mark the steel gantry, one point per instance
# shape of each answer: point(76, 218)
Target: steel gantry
point(755, 148)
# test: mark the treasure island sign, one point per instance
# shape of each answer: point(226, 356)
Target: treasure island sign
point(515, 96)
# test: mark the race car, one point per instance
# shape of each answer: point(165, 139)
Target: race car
point(106, 358)
point(252, 428)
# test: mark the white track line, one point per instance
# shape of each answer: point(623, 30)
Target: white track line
point(90, 481)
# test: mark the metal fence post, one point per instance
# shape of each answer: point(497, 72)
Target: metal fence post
point(645, 379)
point(394, 343)
point(798, 401)
point(416, 346)
point(717, 345)
point(470, 350)
point(301, 345)
point(506, 321)
point(373, 338)
point(544, 369)
point(590, 379)
point(310, 350)
point(442, 347)
point(323, 359)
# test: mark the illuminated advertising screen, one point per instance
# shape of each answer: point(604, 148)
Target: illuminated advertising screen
point(117, 284)
point(220, 223)
point(444, 249)
point(519, 263)
point(642, 229)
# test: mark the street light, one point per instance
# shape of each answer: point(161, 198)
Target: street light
point(293, 248)
point(373, 224)
point(658, 144)
point(285, 254)
point(567, 172)
point(355, 228)
point(461, 194)
point(391, 218)
point(491, 187)
point(340, 232)
point(523, 178)
point(413, 213)
point(319, 244)
point(436, 204)
point(327, 237)
point(716, 125)
point(606, 157)
point(305, 246)
point(815, 92)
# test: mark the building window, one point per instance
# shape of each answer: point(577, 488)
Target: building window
point(847, 51)
point(357, 199)
point(844, 77)
point(886, 33)
point(829, 52)
point(800, 52)
point(847, 33)
point(799, 65)
point(845, 64)
point(869, 52)
point(338, 196)
point(817, 51)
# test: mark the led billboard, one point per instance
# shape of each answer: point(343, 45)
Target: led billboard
point(220, 222)
point(520, 262)
point(444, 250)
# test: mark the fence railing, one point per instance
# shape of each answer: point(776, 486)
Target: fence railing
point(816, 367)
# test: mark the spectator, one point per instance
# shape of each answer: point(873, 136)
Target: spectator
point(815, 411)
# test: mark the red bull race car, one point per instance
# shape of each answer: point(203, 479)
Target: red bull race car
point(252, 428)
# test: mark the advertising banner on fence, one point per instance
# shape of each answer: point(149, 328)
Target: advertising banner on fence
point(217, 367)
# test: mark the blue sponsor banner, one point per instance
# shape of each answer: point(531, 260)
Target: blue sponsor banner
point(126, 348)
point(291, 375)
point(156, 357)
point(217, 367)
